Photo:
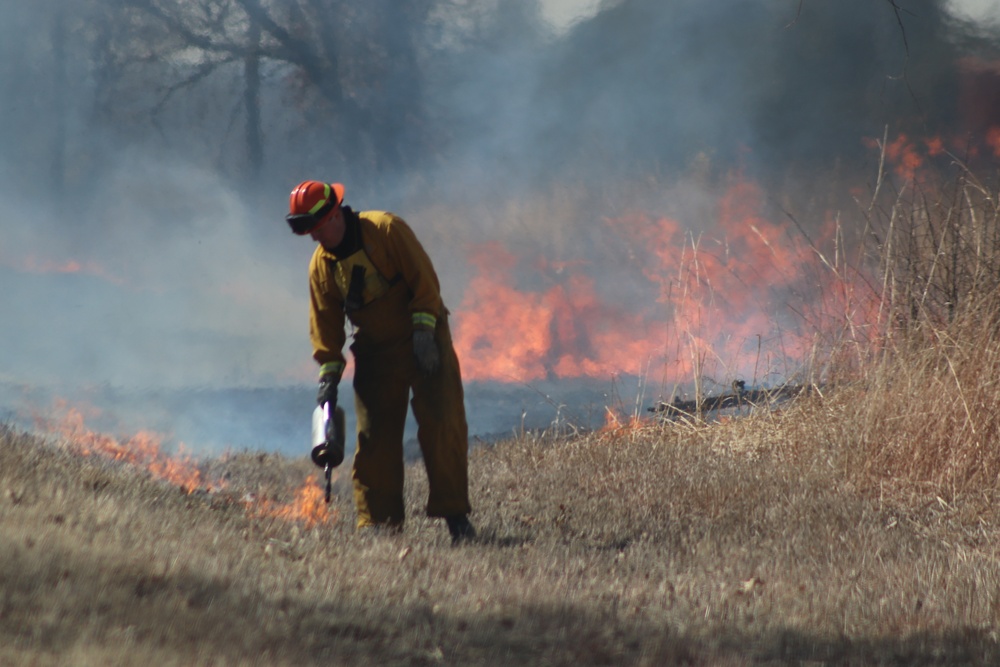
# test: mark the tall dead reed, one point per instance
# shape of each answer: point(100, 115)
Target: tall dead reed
point(926, 395)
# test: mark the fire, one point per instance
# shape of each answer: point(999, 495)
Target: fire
point(309, 507)
point(142, 450)
point(742, 295)
point(619, 424)
point(33, 264)
point(671, 295)
point(510, 333)
point(907, 155)
point(993, 140)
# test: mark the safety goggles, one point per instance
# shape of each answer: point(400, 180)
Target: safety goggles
point(303, 223)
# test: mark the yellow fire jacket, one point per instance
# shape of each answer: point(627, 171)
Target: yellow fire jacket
point(390, 259)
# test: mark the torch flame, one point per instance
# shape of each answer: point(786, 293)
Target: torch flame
point(309, 507)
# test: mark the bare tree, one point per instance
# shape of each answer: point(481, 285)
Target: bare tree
point(351, 68)
point(251, 102)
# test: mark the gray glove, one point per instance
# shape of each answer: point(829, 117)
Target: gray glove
point(425, 350)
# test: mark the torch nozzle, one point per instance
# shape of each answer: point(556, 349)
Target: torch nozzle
point(329, 483)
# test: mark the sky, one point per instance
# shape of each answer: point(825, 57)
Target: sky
point(563, 13)
point(983, 11)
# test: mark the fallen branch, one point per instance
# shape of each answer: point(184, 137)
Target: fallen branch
point(740, 397)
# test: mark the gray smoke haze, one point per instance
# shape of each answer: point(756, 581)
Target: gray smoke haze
point(162, 288)
point(145, 163)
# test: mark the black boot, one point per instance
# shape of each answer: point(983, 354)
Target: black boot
point(460, 528)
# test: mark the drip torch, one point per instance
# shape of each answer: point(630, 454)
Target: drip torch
point(328, 440)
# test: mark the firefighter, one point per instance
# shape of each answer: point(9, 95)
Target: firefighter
point(370, 268)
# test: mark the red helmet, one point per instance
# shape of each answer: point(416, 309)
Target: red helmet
point(310, 203)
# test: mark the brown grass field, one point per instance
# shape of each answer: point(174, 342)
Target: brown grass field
point(858, 525)
point(754, 541)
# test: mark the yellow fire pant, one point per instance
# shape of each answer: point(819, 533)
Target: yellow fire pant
point(385, 373)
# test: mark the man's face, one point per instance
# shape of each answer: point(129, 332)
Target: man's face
point(330, 232)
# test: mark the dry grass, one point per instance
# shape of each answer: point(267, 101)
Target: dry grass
point(923, 377)
point(745, 542)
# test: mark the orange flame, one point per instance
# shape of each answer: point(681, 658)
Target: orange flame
point(714, 294)
point(905, 155)
point(993, 140)
point(309, 507)
point(32, 264)
point(143, 450)
point(619, 424)
point(742, 294)
point(140, 450)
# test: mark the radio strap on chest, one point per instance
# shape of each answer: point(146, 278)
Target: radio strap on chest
point(355, 291)
point(360, 280)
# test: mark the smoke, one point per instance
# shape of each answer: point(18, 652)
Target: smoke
point(139, 250)
point(164, 286)
point(985, 13)
point(564, 14)
point(776, 87)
